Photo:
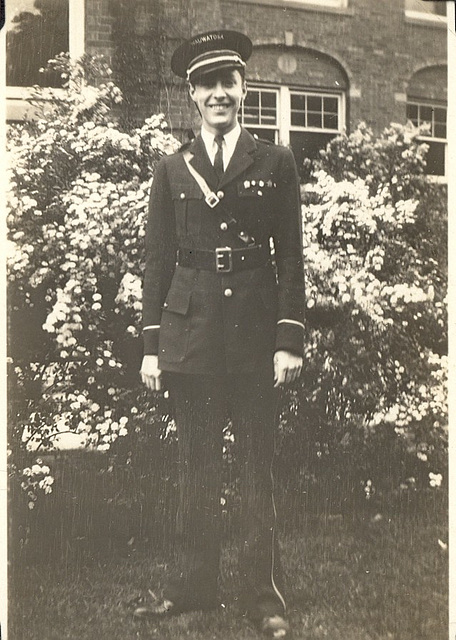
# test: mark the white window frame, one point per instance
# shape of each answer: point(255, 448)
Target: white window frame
point(335, 4)
point(425, 16)
point(18, 96)
point(272, 127)
point(431, 138)
point(283, 127)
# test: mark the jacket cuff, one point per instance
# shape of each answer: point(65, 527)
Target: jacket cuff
point(290, 337)
point(150, 339)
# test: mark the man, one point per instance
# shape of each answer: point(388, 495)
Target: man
point(224, 323)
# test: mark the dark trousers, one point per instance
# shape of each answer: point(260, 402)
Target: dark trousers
point(202, 405)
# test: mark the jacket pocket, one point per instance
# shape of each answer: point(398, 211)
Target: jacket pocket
point(175, 322)
point(187, 198)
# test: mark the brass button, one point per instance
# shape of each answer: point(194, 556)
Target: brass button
point(228, 293)
point(182, 196)
point(223, 226)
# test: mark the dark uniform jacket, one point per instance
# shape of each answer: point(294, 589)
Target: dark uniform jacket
point(203, 322)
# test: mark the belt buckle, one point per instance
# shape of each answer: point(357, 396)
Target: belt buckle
point(223, 260)
point(212, 199)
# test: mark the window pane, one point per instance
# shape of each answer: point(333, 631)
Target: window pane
point(412, 112)
point(426, 114)
point(36, 31)
point(252, 98)
point(268, 99)
point(298, 102)
point(268, 111)
point(314, 120)
point(251, 112)
point(435, 159)
point(440, 131)
point(268, 116)
point(331, 105)
point(330, 121)
point(314, 103)
point(440, 115)
point(251, 118)
point(298, 119)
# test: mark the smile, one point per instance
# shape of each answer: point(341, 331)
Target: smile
point(219, 107)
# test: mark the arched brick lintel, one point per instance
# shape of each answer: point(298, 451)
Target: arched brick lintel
point(315, 67)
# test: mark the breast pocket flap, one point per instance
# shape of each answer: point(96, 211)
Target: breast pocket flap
point(186, 191)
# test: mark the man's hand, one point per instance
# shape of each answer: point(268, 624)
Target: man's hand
point(150, 373)
point(287, 367)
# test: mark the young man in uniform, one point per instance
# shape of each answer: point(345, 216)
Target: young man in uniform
point(223, 324)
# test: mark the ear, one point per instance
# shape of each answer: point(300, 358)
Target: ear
point(191, 91)
point(244, 89)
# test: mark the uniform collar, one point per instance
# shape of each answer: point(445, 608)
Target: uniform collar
point(242, 158)
point(231, 138)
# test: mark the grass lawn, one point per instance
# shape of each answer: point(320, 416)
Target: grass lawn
point(386, 580)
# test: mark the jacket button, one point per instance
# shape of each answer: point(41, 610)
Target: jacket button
point(228, 293)
point(220, 194)
point(223, 226)
point(182, 196)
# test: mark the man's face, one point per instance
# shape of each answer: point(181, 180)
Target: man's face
point(218, 96)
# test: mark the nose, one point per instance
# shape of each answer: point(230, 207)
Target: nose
point(219, 90)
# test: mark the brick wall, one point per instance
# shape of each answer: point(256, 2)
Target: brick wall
point(370, 46)
point(373, 42)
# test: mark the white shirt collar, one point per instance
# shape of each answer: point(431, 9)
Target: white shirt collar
point(230, 141)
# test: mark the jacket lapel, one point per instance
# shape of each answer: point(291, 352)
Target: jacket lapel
point(241, 158)
point(201, 162)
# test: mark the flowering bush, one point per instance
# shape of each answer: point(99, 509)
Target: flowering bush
point(376, 383)
point(373, 397)
point(76, 211)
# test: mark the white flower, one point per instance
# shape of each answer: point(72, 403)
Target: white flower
point(435, 479)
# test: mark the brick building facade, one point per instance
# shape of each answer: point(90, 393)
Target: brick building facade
point(317, 69)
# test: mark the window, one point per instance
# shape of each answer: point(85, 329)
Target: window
point(423, 10)
point(37, 30)
point(304, 120)
point(260, 113)
point(435, 117)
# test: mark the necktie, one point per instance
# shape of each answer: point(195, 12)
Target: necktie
point(218, 160)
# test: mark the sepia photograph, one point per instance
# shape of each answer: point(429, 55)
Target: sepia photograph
point(227, 323)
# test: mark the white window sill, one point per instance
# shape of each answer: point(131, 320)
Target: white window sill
point(437, 179)
point(426, 19)
point(303, 5)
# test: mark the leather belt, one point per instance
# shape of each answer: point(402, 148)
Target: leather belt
point(224, 259)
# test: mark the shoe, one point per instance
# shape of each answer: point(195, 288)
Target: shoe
point(275, 626)
point(154, 608)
